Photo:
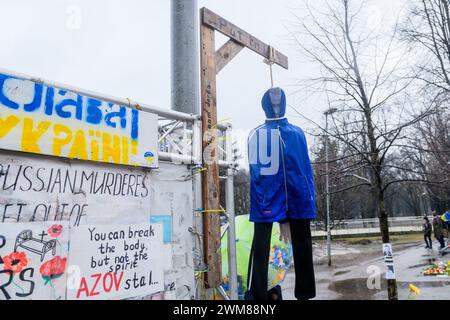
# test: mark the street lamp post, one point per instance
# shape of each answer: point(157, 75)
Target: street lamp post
point(327, 183)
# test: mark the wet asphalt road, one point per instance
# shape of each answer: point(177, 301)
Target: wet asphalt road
point(348, 277)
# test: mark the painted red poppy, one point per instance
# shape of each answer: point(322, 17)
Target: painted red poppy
point(55, 230)
point(53, 268)
point(15, 261)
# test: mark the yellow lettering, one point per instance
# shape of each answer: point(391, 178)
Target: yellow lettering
point(59, 142)
point(125, 150)
point(95, 150)
point(79, 147)
point(111, 151)
point(7, 125)
point(134, 147)
point(30, 137)
point(134, 150)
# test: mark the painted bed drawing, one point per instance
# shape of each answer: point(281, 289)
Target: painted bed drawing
point(26, 241)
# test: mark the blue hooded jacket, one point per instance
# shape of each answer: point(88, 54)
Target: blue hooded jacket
point(281, 177)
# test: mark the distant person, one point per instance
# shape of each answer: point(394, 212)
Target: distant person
point(438, 228)
point(427, 233)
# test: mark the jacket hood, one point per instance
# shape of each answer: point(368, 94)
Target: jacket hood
point(274, 103)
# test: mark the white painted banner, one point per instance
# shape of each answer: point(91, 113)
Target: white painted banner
point(52, 189)
point(33, 260)
point(115, 261)
point(47, 120)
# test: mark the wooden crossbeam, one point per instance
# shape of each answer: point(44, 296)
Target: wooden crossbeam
point(226, 53)
point(228, 29)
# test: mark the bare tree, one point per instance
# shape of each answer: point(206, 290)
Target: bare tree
point(427, 29)
point(345, 204)
point(364, 74)
point(427, 156)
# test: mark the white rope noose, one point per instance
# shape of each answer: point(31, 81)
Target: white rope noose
point(270, 61)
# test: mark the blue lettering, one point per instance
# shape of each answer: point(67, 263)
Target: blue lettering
point(3, 99)
point(134, 124)
point(120, 114)
point(71, 106)
point(94, 114)
point(78, 104)
point(49, 100)
point(36, 103)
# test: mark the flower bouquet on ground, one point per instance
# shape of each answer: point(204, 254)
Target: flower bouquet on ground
point(437, 269)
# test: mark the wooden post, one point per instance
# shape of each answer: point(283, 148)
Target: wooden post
point(211, 217)
point(212, 62)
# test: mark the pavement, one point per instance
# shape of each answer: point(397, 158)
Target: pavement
point(357, 273)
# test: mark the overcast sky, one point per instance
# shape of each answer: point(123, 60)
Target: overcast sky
point(123, 48)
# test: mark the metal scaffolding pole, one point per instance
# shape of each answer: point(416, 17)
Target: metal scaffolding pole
point(184, 56)
point(199, 261)
point(185, 97)
point(327, 182)
point(232, 266)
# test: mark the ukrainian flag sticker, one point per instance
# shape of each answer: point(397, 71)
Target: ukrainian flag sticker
point(149, 156)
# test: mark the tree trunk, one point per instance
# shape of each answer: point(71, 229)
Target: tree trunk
point(384, 228)
point(379, 193)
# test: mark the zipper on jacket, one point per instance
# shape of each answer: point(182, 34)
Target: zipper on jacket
point(284, 168)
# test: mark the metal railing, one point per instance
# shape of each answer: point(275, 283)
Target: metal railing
point(369, 226)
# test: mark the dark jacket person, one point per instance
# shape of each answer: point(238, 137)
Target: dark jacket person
point(427, 233)
point(438, 228)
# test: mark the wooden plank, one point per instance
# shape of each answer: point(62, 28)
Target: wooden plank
point(225, 27)
point(210, 193)
point(226, 53)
